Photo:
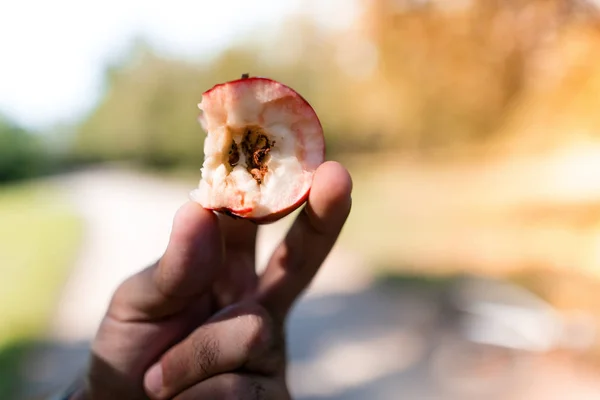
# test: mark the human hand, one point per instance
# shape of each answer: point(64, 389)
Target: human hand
point(200, 323)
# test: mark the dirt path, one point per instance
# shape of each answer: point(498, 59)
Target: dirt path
point(349, 338)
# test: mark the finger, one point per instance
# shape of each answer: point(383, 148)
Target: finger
point(237, 386)
point(185, 271)
point(239, 235)
point(229, 341)
point(308, 242)
point(237, 278)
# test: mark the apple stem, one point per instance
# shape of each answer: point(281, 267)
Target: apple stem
point(245, 76)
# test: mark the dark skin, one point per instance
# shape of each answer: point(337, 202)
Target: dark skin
point(200, 323)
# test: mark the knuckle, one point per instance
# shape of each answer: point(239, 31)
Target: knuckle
point(244, 387)
point(263, 343)
point(257, 390)
point(122, 298)
point(258, 324)
point(252, 308)
point(124, 290)
point(205, 354)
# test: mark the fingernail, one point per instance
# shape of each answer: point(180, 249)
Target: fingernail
point(154, 379)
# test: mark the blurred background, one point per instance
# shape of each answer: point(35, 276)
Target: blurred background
point(470, 266)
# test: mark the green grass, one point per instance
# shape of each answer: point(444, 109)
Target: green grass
point(39, 235)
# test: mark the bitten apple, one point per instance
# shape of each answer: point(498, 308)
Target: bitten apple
point(263, 145)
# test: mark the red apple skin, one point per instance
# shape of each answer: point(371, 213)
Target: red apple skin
point(267, 219)
point(275, 216)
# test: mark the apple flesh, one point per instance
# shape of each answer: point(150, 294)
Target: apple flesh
point(263, 145)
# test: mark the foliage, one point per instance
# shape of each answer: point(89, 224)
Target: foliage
point(11, 361)
point(416, 76)
point(458, 73)
point(21, 154)
point(146, 114)
point(148, 111)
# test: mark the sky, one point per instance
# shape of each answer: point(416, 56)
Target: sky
point(53, 53)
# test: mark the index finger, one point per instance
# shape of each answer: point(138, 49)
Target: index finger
point(239, 235)
point(310, 239)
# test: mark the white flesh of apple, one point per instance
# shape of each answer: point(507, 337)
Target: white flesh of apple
point(285, 118)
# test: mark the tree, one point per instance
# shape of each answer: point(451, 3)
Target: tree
point(21, 155)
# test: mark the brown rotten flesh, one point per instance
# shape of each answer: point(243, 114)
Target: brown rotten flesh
point(263, 145)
